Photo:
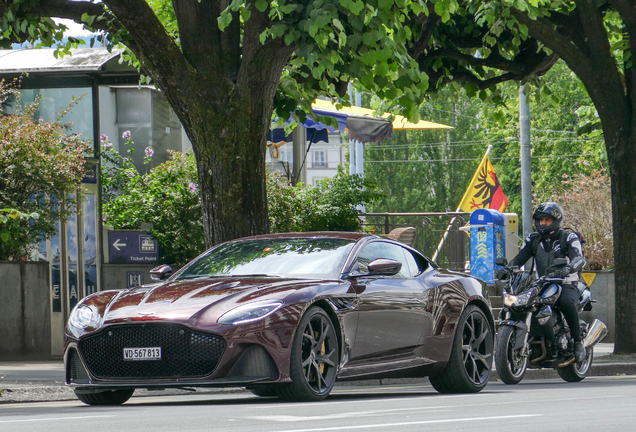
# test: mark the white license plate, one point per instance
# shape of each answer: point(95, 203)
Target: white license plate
point(151, 353)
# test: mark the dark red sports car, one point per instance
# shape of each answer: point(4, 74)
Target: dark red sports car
point(284, 315)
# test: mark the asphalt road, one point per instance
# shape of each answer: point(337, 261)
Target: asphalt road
point(596, 404)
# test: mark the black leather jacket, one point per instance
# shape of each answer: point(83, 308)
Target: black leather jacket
point(563, 243)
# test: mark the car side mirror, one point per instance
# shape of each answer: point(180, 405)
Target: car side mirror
point(161, 272)
point(384, 267)
point(501, 262)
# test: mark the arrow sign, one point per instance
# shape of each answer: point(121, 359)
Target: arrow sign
point(132, 247)
point(117, 244)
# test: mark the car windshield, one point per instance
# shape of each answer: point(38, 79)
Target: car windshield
point(320, 258)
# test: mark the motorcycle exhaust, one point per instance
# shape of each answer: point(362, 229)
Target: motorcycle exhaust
point(597, 332)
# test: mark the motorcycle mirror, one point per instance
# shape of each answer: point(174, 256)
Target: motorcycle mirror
point(501, 261)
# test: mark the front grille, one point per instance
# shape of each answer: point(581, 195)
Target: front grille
point(184, 353)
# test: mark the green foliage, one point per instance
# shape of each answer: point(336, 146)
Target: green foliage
point(429, 170)
point(42, 30)
point(41, 168)
point(14, 229)
point(166, 196)
point(439, 164)
point(330, 206)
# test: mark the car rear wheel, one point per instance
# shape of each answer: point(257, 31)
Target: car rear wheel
point(314, 358)
point(109, 397)
point(470, 363)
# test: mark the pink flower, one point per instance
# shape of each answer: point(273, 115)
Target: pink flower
point(193, 187)
point(108, 144)
point(105, 219)
point(103, 138)
point(149, 151)
point(126, 135)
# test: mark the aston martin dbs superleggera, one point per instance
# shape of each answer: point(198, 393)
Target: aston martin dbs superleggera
point(284, 315)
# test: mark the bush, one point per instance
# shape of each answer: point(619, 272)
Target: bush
point(587, 203)
point(331, 206)
point(166, 196)
point(41, 169)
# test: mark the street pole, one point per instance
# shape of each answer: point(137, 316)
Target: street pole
point(526, 165)
point(299, 171)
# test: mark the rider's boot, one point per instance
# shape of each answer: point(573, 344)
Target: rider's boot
point(579, 352)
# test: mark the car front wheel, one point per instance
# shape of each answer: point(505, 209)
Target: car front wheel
point(470, 363)
point(314, 358)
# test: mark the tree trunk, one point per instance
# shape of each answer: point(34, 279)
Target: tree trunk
point(622, 165)
point(230, 154)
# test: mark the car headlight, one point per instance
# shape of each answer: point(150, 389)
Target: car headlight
point(520, 300)
point(82, 317)
point(249, 312)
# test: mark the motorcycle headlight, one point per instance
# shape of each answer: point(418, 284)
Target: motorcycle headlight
point(249, 313)
point(81, 318)
point(517, 300)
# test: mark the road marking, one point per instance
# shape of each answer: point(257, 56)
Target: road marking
point(386, 425)
point(383, 388)
point(55, 418)
point(289, 418)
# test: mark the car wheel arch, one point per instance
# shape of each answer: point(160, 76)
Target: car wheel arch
point(485, 308)
point(329, 309)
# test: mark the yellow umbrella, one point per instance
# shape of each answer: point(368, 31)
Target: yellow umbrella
point(400, 122)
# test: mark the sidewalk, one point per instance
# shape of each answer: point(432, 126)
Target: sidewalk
point(44, 381)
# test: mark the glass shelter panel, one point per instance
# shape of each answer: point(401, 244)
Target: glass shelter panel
point(55, 101)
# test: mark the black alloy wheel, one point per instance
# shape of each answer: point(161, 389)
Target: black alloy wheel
point(314, 358)
point(511, 364)
point(470, 363)
point(575, 372)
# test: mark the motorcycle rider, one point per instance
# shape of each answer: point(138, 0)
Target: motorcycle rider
point(546, 245)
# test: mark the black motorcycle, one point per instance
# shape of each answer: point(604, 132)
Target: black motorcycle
point(533, 332)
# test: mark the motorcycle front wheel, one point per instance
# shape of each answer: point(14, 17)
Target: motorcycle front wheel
point(575, 372)
point(510, 364)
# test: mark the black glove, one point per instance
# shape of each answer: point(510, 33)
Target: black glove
point(501, 274)
point(561, 273)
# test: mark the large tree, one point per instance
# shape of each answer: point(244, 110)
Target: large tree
point(486, 42)
point(226, 65)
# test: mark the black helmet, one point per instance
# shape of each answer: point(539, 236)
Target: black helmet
point(551, 210)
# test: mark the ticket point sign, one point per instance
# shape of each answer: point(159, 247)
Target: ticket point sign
point(132, 247)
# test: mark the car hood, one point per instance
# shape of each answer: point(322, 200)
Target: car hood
point(185, 301)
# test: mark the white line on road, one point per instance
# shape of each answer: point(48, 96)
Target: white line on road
point(55, 418)
point(290, 418)
point(386, 425)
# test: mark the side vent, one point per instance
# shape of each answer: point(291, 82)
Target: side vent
point(78, 374)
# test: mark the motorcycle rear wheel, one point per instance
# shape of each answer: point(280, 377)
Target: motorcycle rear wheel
point(511, 367)
point(575, 372)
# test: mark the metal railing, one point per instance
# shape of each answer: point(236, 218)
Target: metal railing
point(430, 228)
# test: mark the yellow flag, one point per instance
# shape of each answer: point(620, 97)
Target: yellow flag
point(484, 190)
